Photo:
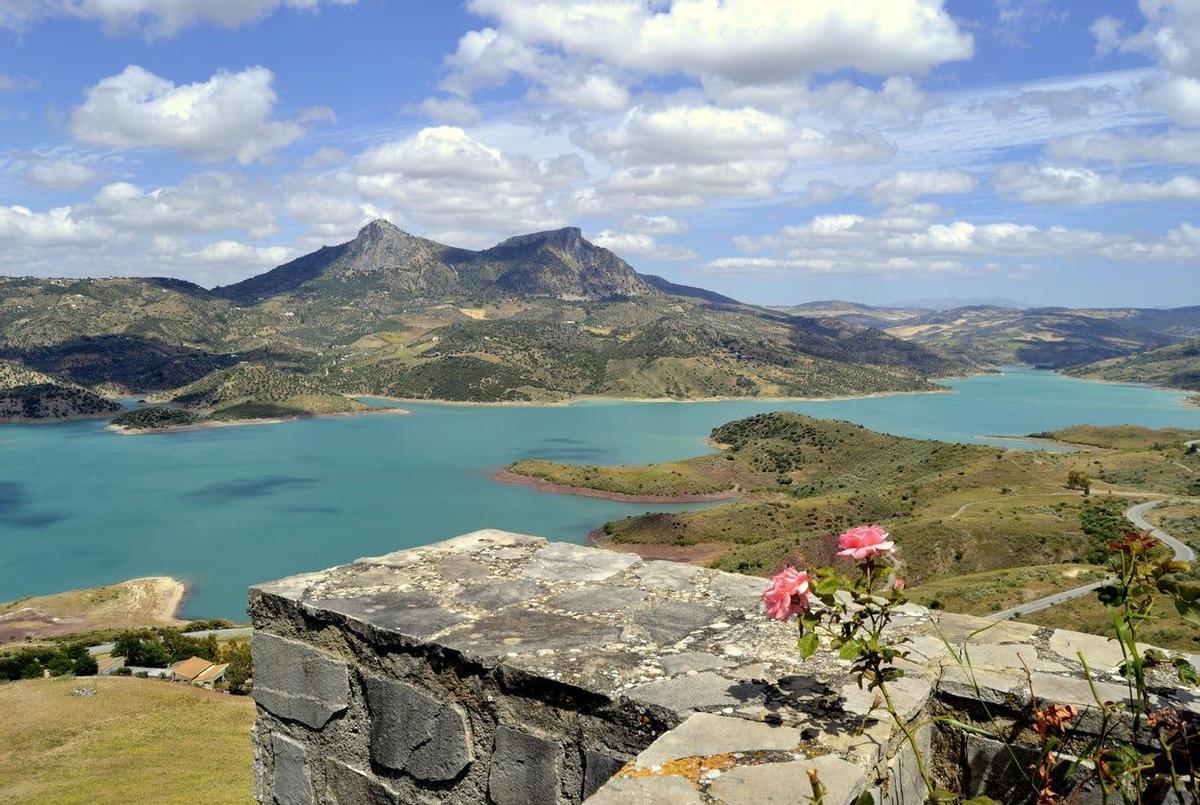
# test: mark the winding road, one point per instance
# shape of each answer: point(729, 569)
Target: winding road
point(1136, 514)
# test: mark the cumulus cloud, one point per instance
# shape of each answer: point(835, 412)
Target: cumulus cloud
point(463, 189)
point(60, 174)
point(233, 253)
point(155, 17)
point(641, 245)
point(915, 239)
point(1178, 147)
point(229, 116)
point(747, 41)
point(1050, 184)
point(449, 110)
point(59, 226)
point(205, 202)
point(906, 186)
point(1172, 36)
point(654, 225)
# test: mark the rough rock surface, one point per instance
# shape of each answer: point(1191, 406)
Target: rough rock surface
point(498, 667)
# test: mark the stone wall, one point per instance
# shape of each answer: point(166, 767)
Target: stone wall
point(501, 668)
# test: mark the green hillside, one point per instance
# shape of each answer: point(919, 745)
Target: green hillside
point(542, 316)
point(29, 395)
point(956, 510)
point(1177, 366)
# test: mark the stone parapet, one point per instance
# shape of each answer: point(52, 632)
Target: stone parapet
point(502, 668)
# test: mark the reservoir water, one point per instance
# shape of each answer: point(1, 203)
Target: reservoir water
point(226, 507)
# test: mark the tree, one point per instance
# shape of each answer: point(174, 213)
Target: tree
point(1079, 480)
point(241, 668)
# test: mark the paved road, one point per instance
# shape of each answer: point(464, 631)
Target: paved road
point(1137, 515)
point(222, 634)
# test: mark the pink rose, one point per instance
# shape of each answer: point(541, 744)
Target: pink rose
point(787, 595)
point(864, 542)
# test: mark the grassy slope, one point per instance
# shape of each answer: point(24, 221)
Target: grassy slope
point(136, 740)
point(955, 510)
point(130, 604)
point(1177, 365)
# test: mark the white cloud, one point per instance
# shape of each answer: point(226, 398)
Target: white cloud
point(462, 189)
point(1050, 184)
point(654, 225)
point(642, 245)
point(449, 110)
point(324, 157)
point(23, 226)
point(16, 83)
point(1178, 147)
point(155, 17)
point(1172, 36)
point(905, 186)
point(915, 240)
point(747, 41)
point(204, 202)
point(899, 99)
point(60, 174)
point(229, 116)
point(240, 255)
point(1059, 104)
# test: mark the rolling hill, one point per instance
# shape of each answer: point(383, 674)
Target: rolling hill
point(30, 395)
point(542, 316)
point(1177, 366)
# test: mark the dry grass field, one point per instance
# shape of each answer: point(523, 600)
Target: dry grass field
point(134, 741)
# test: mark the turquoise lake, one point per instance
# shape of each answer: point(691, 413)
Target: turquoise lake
point(226, 507)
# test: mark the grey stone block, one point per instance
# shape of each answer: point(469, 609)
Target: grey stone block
point(788, 784)
point(598, 767)
point(411, 613)
point(562, 561)
point(671, 621)
point(346, 785)
point(705, 689)
point(1002, 772)
point(525, 769)
point(593, 599)
point(292, 783)
point(496, 593)
point(647, 791)
point(413, 732)
point(297, 681)
point(705, 734)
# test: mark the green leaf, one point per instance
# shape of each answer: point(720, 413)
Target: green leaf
point(850, 650)
point(1111, 596)
point(980, 801)
point(827, 586)
point(865, 799)
point(1186, 671)
point(1188, 610)
point(807, 645)
point(942, 795)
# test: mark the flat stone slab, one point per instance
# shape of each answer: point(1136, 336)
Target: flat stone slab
point(597, 599)
point(562, 561)
point(298, 682)
point(788, 783)
point(706, 689)
point(525, 769)
point(346, 785)
point(413, 732)
point(293, 780)
point(704, 734)
point(411, 614)
point(647, 791)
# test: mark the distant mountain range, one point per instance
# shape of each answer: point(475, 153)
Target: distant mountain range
point(541, 316)
point(1047, 337)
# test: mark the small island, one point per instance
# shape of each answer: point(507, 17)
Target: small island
point(239, 395)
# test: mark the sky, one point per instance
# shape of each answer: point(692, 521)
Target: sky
point(1040, 151)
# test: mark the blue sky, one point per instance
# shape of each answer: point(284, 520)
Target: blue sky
point(1044, 151)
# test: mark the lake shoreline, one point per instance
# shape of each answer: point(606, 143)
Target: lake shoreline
point(231, 423)
point(507, 476)
point(603, 399)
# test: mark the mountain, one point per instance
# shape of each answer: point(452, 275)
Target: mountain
point(1177, 366)
point(26, 395)
point(1050, 337)
point(559, 263)
point(542, 316)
